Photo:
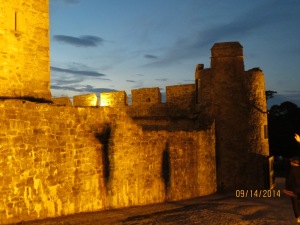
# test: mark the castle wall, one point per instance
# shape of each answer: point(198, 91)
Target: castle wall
point(240, 147)
point(145, 96)
point(62, 101)
point(117, 98)
point(182, 96)
point(58, 160)
point(85, 100)
point(24, 49)
point(257, 114)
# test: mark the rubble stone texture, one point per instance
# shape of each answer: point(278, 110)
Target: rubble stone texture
point(24, 49)
point(58, 159)
point(61, 101)
point(146, 96)
point(85, 100)
point(117, 98)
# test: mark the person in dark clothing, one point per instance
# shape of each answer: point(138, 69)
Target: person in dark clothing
point(292, 186)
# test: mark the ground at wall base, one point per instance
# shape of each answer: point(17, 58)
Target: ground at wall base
point(209, 210)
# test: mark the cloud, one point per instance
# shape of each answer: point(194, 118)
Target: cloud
point(79, 72)
point(162, 80)
point(150, 56)
point(244, 25)
point(67, 81)
point(71, 1)
point(192, 81)
point(72, 79)
point(82, 41)
point(131, 81)
point(138, 84)
point(85, 88)
point(139, 75)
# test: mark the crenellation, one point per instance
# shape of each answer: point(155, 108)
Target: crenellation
point(85, 100)
point(146, 96)
point(59, 158)
point(114, 99)
point(181, 96)
point(62, 101)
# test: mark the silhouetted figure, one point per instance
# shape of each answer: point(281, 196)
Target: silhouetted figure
point(292, 186)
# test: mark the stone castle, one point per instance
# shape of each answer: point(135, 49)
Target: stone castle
point(59, 158)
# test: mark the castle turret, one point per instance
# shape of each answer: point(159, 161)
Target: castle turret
point(24, 54)
point(236, 101)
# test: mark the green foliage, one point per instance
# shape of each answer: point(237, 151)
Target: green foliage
point(270, 94)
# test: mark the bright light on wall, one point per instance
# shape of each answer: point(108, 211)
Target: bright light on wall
point(105, 99)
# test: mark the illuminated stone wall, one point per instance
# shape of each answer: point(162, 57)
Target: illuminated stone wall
point(117, 98)
point(61, 101)
point(85, 100)
point(145, 96)
point(59, 160)
point(24, 49)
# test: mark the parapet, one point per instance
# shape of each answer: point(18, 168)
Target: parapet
point(146, 96)
point(226, 56)
point(117, 98)
point(85, 100)
point(227, 49)
point(62, 101)
point(181, 95)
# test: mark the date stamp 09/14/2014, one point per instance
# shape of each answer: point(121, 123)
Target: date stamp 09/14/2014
point(271, 193)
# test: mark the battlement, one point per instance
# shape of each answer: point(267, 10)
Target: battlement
point(180, 95)
point(146, 96)
point(227, 49)
point(117, 98)
point(99, 152)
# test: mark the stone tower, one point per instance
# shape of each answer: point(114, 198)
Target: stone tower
point(24, 52)
point(236, 100)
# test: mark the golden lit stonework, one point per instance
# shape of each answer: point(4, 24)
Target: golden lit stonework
point(67, 157)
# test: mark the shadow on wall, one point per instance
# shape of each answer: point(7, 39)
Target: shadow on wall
point(27, 98)
point(166, 168)
point(104, 139)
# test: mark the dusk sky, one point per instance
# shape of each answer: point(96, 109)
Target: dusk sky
point(107, 45)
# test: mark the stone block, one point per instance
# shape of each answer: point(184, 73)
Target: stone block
point(62, 101)
point(85, 100)
point(117, 98)
point(146, 96)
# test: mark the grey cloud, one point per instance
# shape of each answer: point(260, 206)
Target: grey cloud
point(131, 81)
point(189, 81)
point(139, 84)
point(67, 81)
point(163, 79)
point(82, 41)
point(71, 1)
point(86, 88)
point(242, 26)
point(150, 56)
point(79, 72)
point(140, 75)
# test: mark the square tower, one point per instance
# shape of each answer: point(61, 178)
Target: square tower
point(24, 54)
